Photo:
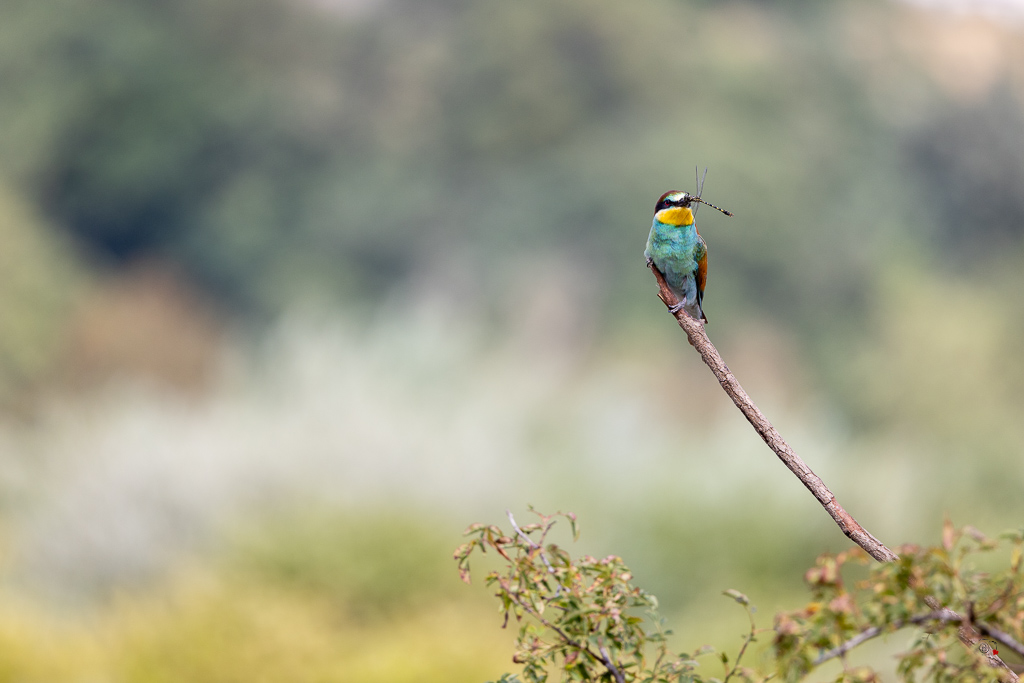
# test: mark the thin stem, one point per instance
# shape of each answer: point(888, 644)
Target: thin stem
point(529, 541)
point(607, 661)
point(533, 544)
point(998, 603)
point(601, 656)
point(749, 639)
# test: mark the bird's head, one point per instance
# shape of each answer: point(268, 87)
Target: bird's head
point(673, 208)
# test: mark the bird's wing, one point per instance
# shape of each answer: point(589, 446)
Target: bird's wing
point(702, 273)
point(702, 266)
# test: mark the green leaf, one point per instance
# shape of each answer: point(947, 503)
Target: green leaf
point(573, 525)
point(737, 596)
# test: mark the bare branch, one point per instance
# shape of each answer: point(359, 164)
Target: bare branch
point(699, 340)
point(607, 661)
point(943, 615)
point(875, 631)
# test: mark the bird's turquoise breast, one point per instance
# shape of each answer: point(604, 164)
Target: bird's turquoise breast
point(673, 248)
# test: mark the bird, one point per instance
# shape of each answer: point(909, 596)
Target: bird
point(677, 249)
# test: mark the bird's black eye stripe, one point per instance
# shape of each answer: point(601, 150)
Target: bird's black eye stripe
point(681, 199)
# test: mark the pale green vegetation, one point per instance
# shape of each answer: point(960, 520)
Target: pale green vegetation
point(293, 291)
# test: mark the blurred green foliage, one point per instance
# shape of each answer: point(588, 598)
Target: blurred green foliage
point(312, 605)
point(38, 280)
point(245, 139)
point(279, 150)
point(366, 566)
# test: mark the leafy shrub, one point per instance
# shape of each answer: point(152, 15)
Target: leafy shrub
point(582, 617)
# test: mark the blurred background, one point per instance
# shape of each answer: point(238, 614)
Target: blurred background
point(292, 291)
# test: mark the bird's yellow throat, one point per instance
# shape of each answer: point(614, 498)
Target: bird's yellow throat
point(677, 215)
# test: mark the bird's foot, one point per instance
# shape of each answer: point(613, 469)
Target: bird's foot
point(675, 309)
point(650, 261)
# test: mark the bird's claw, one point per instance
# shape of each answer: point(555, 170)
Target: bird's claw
point(650, 261)
point(675, 309)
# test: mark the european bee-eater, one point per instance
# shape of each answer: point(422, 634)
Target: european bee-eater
point(679, 252)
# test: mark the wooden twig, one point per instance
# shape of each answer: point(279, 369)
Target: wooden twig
point(699, 340)
point(607, 661)
point(847, 524)
point(875, 631)
point(943, 615)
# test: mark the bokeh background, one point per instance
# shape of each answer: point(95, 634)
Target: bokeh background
point(292, 291)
